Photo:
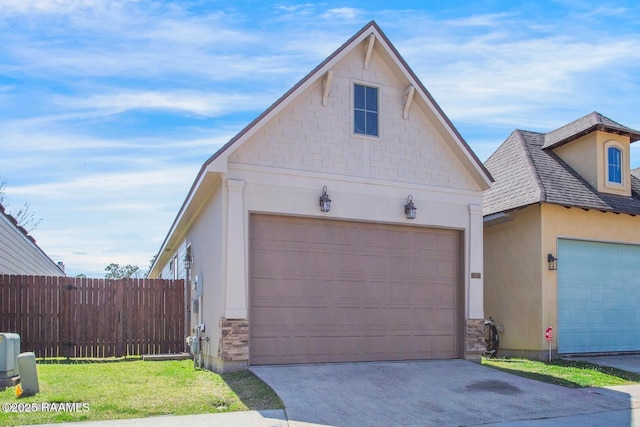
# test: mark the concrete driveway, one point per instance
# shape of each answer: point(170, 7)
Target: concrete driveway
point(442, 393)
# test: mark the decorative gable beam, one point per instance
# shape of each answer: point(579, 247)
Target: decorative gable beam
point(408, 93)
point(367, 56)
point(326, 88)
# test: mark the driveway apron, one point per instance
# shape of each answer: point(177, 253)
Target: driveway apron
point(424, 393)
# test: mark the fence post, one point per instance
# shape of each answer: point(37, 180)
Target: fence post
point(65, 315)
point(119, 318)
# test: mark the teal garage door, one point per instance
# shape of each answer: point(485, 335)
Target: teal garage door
point(598, 297)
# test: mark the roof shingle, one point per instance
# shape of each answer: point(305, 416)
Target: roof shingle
point(526, 171)
point(585, 125)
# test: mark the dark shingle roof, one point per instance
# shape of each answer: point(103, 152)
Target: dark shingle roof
point(585, 125)
point(516, 182)
point(526, 172)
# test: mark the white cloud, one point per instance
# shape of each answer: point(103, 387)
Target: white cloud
point(486, 20)
point(97, 186)
point(30, 134)
point(93, 220)
point(296, 7)
point(200, 103)
point(342, 13)
point(609, 11)
point(96, 252)
point(296, 11)
point(500, 77)
point(46, 6)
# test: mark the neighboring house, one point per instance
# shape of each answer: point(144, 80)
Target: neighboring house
point(19, 253)
point(277, 280)
point(564, 200)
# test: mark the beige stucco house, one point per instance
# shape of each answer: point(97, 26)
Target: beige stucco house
point(277, 276)
point(562, 240)
point(19, 253)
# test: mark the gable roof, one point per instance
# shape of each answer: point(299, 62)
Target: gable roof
point(217, 163)
point(526, 172)
point(371, 28)
point(584, 126)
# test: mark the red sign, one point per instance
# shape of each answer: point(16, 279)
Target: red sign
point(548, 334)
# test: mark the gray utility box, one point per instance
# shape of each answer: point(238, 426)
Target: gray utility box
point(29, 376)
point(9, 351)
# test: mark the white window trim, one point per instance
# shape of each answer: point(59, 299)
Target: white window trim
point(353, 107)
point(174, 267)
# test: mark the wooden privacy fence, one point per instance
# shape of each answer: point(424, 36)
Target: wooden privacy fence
point(81, 317)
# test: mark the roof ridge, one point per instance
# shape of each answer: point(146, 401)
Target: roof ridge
point(585, 125)
point(529, 131)
point(532, 165)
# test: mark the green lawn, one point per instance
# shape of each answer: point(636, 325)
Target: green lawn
point(136, 388)
point(566, 373)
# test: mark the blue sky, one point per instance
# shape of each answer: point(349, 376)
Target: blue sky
point(108, 108)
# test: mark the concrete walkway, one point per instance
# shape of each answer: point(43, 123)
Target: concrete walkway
point(271, 418)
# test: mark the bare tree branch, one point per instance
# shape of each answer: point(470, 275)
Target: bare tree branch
point(25, 217)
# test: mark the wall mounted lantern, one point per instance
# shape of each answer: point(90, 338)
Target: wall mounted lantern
point(188, 261)
point(409, 208)
point(553, 262)
point(325, 201)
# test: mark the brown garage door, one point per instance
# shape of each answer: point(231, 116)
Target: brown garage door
point(335, 291)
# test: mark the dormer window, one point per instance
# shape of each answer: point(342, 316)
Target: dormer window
point(614, 162)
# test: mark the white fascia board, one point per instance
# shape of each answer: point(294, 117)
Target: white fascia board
point(497, 218)
point(174, 233)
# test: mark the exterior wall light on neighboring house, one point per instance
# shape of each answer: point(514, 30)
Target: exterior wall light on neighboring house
point(325, 201)
point(188, 260)
point(553, 262)
point(409, 208)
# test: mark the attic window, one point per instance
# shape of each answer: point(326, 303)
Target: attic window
point(365, 111)
point(614, 161)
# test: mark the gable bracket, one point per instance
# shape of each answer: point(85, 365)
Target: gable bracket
point(367, 56)
point(408, 93)
point(326, 87)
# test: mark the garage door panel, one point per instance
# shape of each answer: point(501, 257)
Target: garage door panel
point(443, 345)
point(367, 292)
point(598, 297)
point(265, 349)
point(401, 346)
point(445, 268)
point(445, 242)
point(446, 319)
point(419, 268)
point(423, 317)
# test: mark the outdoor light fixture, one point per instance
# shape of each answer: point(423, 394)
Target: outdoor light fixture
point(409, 208)
point(553, 262)
point(188, 260)
point(325, 201)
